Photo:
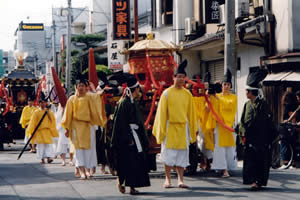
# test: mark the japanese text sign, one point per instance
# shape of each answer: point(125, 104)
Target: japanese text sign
point(212, 12)
point(121, 19)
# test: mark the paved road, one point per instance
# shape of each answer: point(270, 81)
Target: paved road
point(27, 179)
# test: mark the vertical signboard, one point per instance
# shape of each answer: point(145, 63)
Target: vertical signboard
point(212, 12)
point(115, 59)
point(121, 19)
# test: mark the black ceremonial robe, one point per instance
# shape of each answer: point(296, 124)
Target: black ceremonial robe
point(131, 163)
point(256, 124)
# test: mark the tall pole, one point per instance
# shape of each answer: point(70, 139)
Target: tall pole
point(68, 53)
point(54, 46)
point(136, 23)
point(229, 47)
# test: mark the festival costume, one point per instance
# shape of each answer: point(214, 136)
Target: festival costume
point(225, 154)
point(63, 141)
point(130, 143)
point(256, 125)
point(25, 118)
point(44, 134)
point(175, 126)
point(81, 114)
point(205, 137)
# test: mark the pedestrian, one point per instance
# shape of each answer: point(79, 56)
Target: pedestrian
point(83, 111)
point(224, 157)
point(130, 141)
point(45, 132)
point(24, 121)
point(256, 128)
point(175, 126)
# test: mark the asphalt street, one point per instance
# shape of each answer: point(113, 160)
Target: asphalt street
point(28, 179)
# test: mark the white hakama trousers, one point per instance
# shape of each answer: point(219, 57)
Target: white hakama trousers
point(44, 151)
point(201, 144)
point(223, 157)
point(87, 157)
point(63, 143)
point(55, 142)
point(176, 157)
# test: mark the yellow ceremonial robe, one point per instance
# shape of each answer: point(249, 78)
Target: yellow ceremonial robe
point(25, 117)
point(46, 130)
point(175, 108)
point(202, 118)
point(80, 113)
point(228, 108)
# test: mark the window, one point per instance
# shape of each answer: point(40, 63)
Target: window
point(167, 12)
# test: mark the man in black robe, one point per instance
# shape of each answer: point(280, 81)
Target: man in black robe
point(130, 141)
point(256, 128)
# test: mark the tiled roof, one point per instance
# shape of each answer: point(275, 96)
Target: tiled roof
point(204, 39)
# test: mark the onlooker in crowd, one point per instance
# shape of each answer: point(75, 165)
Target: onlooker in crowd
point(175, 126)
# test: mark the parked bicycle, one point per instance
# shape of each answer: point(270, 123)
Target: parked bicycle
point(286, 146)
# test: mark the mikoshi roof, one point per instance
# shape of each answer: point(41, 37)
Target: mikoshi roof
point(20, 74)
point(152, 44)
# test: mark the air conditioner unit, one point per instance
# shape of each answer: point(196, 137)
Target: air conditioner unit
point(241, 8)
point(189, 25)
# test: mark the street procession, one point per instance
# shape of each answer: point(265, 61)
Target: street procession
point(150, 99)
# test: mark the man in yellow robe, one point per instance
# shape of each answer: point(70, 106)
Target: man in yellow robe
point(24, 121)
point(224, 158)
point(175, 126)
point(45, 132)
point(83, 111)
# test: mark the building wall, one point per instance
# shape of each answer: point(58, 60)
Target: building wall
point(181, 10)
point(283, 14)
point(250, 57)
point(193, 66)
point(295, 24)
point(34, 43)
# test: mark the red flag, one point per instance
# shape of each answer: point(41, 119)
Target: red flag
point(92, 68)
point(39, 90)
point(60, 91)
point(8, 100)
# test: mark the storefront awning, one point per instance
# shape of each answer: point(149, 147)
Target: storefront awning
point(282, 78)
point(292, 77)
point(275, 78)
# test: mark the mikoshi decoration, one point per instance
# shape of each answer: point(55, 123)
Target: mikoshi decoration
point(60, 91)
point(152, 59)
point(92, 68)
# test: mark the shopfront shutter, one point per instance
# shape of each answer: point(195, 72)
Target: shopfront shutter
point(216, 69)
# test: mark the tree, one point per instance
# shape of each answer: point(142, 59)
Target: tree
point(79, 57)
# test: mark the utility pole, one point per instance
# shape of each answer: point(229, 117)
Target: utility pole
point(54, 47)
point(229, 46)
point(136, 21)
point(68, 53)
